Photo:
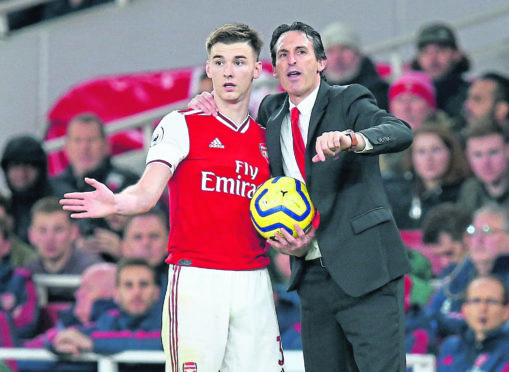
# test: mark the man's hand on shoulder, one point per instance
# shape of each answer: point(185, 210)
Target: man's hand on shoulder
point(204, 102)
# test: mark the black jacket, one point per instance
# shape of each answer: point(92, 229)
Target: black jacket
point(358, 238)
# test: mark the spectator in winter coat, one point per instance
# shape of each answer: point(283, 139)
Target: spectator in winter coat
point(484, 346)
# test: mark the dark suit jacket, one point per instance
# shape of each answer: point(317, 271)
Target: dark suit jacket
point(358, 238)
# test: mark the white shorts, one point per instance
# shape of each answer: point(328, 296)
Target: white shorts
point(220, 320)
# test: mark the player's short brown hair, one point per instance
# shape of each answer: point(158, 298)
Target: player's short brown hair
point(235, 33)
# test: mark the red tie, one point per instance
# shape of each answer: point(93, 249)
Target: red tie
point(299, 149)
point(298, 144)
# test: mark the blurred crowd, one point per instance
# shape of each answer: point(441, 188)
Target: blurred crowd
point(449, 192)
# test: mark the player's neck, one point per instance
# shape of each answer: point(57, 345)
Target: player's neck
point(235, 111)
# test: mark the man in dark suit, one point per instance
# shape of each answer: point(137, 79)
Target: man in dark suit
point(349, 271)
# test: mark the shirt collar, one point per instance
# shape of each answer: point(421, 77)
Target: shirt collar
point(306, 105)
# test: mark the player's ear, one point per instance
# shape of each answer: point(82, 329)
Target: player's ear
point(258, 70)
point(207, 69)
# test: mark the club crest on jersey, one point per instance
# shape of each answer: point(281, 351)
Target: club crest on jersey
point(263, 151)
point(190, 367)
point(216, 144)
point(157, 136)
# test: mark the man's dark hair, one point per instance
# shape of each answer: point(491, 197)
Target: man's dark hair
point(235, 33)
point(134, 261)
point(310, 33)
point(446, 218)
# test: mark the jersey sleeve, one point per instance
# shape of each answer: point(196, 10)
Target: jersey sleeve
point(170, 141)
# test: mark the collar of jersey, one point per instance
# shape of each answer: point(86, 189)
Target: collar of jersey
point(229, 123)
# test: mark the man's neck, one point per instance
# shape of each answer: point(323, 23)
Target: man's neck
point(484, 267)
point(235, 111)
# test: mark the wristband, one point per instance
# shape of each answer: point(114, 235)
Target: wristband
point(353, 139)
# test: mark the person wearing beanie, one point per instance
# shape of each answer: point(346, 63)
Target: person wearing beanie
point(346, 64)
point(438, 55)
point(412, 98)
point(24, 164)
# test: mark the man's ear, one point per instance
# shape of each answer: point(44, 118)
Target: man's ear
point(501, 111)
point(322, 64)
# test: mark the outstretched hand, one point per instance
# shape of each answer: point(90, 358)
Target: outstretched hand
point(91, 204)
point(204, 102)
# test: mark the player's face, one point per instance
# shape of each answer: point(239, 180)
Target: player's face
point(480, 102)
point(85, 148)
point(136, 291)
point(297, 68)
point(484, 310)
point(437, 60)
point(52, 234)
point(146, 237)
point(232, 68)
point(430, 157)
point(488, 157)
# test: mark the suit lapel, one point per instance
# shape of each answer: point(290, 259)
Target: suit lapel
point(273, 136)
point(317, 112)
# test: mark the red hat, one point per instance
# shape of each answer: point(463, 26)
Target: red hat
point(414, 82)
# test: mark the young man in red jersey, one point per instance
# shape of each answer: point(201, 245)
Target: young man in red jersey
point(219, 311)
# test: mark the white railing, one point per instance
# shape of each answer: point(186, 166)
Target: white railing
point(294, 362)
point(43, 281)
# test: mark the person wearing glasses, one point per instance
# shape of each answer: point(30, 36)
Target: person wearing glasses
point(487, 239)
point(484, 346)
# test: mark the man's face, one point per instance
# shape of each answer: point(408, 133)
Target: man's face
point(437, 60)
point(136, 290)
point(52, 234)
point(430, 157)
point(146, 237)
point(84, 147)
point(411, 108)
point(489, 239)
point(447, 250)
point(480, 103)
point(488, 157)
point(22, 176)
point(297, 68)
point(232, 68)
point(484, 310)
point(342, 62)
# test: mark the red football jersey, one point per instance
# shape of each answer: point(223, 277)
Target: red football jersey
point(216, 167)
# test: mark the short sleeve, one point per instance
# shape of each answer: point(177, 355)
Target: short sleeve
point(170, 141)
